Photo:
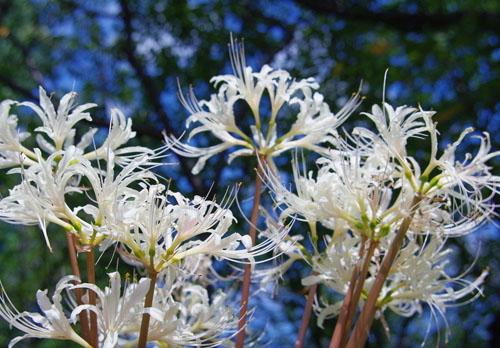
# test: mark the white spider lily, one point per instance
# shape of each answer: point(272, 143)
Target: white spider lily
point(314, 124)
point(287, 246)
point(51, 323)
point(166, 227)
point(204, 323)
point(334, 266)
point(58, 125)
point(112, 189)
point(40, 197)
point(419, 276)
point(12, 152)
point(186, 316)
point(117, 313)
point(469, 184)
point(352, 190)
point(120, 132)
point(394, 128)
point(460, 195)
point(182, 315)
point(58, 131)
point(370, 190)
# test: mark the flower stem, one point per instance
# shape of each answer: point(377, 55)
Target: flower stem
point(341, 325)
point(93, 335)
point(362, 327)
point(299, 343)
point(148, 302)
point(245, 290)
point(358, 289)
point(84, 322)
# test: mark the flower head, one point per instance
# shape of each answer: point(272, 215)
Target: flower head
point(160, 227)
point(10, 138)
point(117, 312)
point(50, 323)
point(314, 122)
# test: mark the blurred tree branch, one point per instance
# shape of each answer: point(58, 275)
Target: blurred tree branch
point(4, 7)
point(403, 21)
point(17, 88)
point(152, 92)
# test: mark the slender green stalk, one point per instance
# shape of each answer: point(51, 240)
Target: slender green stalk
point(245, 291)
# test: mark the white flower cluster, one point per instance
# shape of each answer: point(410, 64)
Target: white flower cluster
point(183, 314)
point(314, 123)
point(125, 206)
point(367, 188)
point(368, 191)
point(387, 214)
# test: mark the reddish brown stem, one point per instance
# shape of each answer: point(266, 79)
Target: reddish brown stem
point(148, 302)
point(299, 343)
point(358, 289)
point(245, 290)
point(75, 269)
point(93, 335)
point(362, 327)
point(340, 326)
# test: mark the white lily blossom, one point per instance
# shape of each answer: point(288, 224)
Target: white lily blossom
point(352, 190)
point(12, 152)
point(287, 251)
point(40, 198)
point(58, 131)
point(187, 316)
point(58, 125)
point(395, 126)
point(418, 276)
point(113, 188)
point(334, 266)
point(369, 196)
point(183, 314)
point(369, 188)
point(120, 132)
point(314, 122)
point(51, 323)
point(117, 313)
point(363, 192)
point(56, 167)
point(160, 227)
point(466, 188)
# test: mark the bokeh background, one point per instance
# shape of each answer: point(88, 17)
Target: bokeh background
point(442, 55)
